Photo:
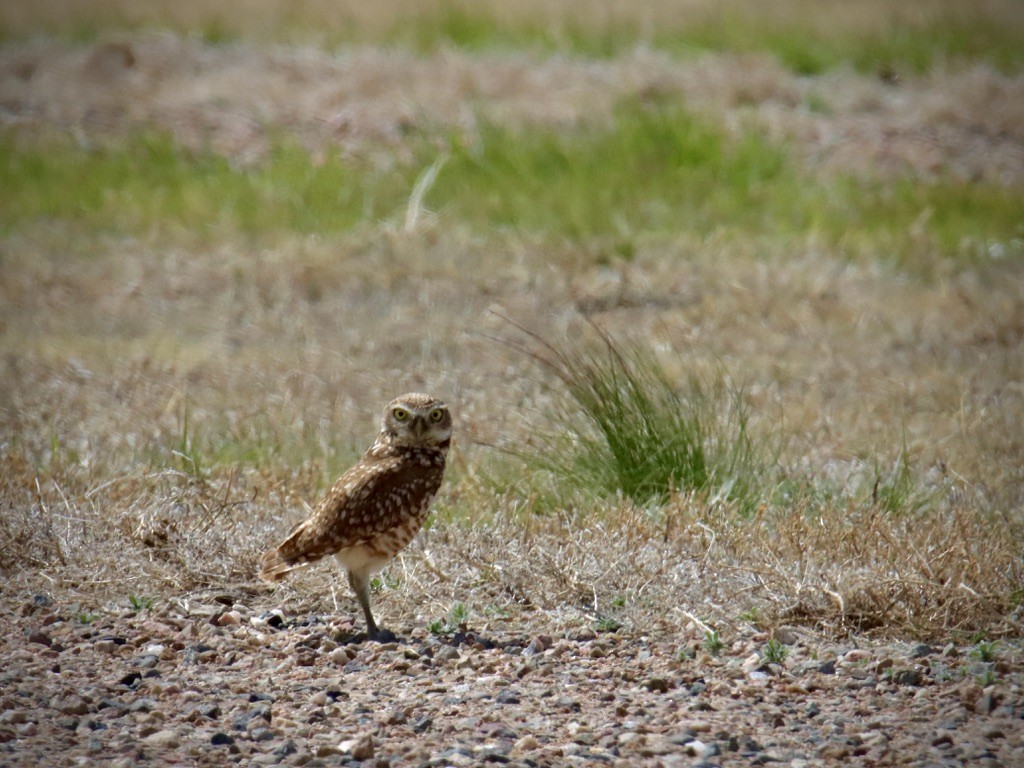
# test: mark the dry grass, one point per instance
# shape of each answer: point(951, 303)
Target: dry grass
point(170, 402)
point(108, 490)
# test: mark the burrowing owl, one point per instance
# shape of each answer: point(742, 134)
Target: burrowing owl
point(375, 508)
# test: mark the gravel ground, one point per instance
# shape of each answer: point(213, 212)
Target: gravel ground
point(221, 680)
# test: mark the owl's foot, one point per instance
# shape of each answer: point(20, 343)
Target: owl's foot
point(379, 635)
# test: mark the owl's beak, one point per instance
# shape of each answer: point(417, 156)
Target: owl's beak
point(419, 426)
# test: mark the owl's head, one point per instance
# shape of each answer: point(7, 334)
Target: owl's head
point(417, 420)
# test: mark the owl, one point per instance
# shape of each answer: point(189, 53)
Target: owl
point(375, 508)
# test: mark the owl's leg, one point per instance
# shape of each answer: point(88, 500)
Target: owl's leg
point(360, 583)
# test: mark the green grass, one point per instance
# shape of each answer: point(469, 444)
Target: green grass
point(141, 603)
point(897, 42)
point(455, 621)
point(147, 183)
point(713, 644)
point(623, 427)
point(775, 652)
point(655, 172)
point(900, 48)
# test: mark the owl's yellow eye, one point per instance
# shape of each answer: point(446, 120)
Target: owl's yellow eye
point(400, 414)
point(436, 415)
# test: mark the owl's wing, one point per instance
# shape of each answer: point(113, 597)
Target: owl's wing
point(369, 499)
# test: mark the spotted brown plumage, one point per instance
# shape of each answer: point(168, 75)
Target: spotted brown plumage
point(377, 507)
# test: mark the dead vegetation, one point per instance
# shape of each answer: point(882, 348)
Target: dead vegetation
point(168, 407)
point(154, 445)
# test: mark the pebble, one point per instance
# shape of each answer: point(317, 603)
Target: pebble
point(361, 748)
point(526, 744)
point(163, 740)
point(40, 638)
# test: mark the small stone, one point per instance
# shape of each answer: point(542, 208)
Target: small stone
point(360, 748)
point(786, 635)
point(631, 740)
point(40, 638)
point(423, 724)
point(985, 704)
point(656, 685)
point(524, 669)
point(142, 705)
point(907, 677)
point(698, 748)
point(942, 739)
point(163, 740)
point(921, 650)
point(211, 711)
point(221, 740)
point(261, 734)
point(227, 619)
point(526, 744)
point(446, 653)
point(73, 705)
point(288, 748)
point(828, 667)
point(507, 696)
point(340, 656)
point(834, 751)
point(537, 645)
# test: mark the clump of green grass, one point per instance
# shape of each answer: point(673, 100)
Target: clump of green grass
point(775, 652)
point(606, 624)
point(456, 620)
point(141, 602)
point(713, 644)
point(623, 427)
point(898, 491)
point(985, 650)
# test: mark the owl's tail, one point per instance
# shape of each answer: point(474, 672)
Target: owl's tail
point(286, 557)
point(274, 567)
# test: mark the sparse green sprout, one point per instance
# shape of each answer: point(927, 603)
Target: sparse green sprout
point(986, 677)
point(985, 650)
point(436, 627)
point(141, 603)
point(775, 652)
point(713, 644)
point(384, 580)
point(619, 601)
point(86, 617)
point(751, 616)
point(457, 617)
point(606, 624)
point(685, 653)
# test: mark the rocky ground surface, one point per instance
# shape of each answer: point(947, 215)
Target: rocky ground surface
point(217, 681)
